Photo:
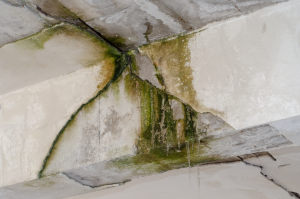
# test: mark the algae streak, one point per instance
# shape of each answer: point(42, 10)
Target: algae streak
point(120, 64)
point(172, 58)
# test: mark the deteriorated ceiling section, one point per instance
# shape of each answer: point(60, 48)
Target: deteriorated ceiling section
point(94, 93)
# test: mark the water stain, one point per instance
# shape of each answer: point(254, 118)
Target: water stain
point(264, 28)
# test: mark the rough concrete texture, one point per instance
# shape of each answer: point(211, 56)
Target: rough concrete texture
point(255, 139)
point(31, 117)
point(212, 124)
point(131, 23)
point(80, 106)
point(214, 149)
point(243, 68)
point(72, 182)
point(234, 181)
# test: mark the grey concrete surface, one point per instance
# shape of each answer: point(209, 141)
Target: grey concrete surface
point(132, 23)
point(17, 23)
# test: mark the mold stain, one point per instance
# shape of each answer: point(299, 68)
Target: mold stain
point(173, 58)
point(148, 31)
point(160, 132)
point(120, 65)
point(160, 160)
point(117, 41)
point(95, 51)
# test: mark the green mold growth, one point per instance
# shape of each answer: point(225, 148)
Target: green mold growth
point(96, 50)
point(158, 75)
point(160, 160)
point(158, 141)
point(158, 126)
point(173, 58)
point(190, 123)
point(121, 63)
point(133, 65)
point(117, 41)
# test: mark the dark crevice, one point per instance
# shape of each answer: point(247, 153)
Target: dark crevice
point(11, 4)
point(80, 23)
point(237, 8)
point(77, 181)
point(296, 195)
point(94, 187)
point(271, 156)
point(162, 90)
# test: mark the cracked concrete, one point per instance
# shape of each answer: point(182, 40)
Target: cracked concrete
point(127, 19)
point(284, 171)
point(154, 115)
